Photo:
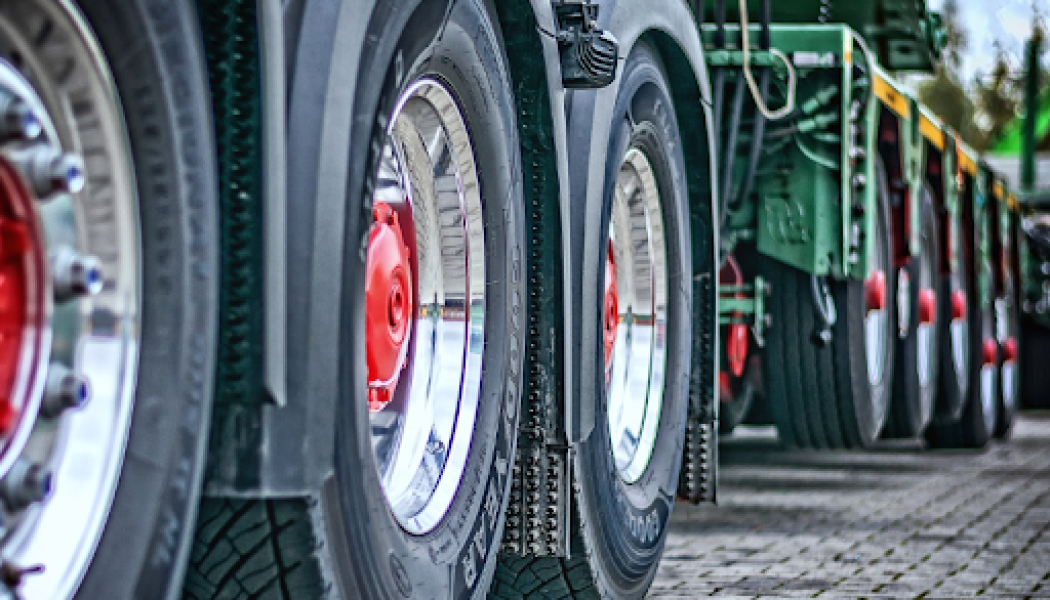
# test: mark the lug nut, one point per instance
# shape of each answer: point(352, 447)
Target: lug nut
point(859, 181)
point(18, 121)
point(64, 390)
point(50, 172)
point(25, 484)
point(75, 275)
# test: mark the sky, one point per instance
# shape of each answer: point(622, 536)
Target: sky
point(1007, 21)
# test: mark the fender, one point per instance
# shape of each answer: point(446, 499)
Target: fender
point(287, 449)
point(589, 130)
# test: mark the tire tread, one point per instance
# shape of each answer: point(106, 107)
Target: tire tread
point(263, 549)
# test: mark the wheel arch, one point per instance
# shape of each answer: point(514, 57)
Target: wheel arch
point(671, 29)
point(280, 450)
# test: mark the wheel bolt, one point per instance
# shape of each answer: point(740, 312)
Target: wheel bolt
point(64, 390)
point(75, 275)
point(26, 483)
point(18, 121)
point(49, 172)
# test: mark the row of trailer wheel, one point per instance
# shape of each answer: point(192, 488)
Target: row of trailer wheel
point(438, 299)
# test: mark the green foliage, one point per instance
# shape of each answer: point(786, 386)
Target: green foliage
point(984, 112)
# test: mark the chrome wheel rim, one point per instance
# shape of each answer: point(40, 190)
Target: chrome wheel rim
point(988, 396)
point(89, 227)
point(422, 429)
point(927, 315)
point(1007, 373)
point(634, 369)
point(876, 319)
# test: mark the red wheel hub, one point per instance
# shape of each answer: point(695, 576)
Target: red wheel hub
point(958, 305)
point(1010, 349)
point(875, 290)
point(388, 305)
point(927, 307)
point(990, 350)
point(610, 306)
point(21, 263)
point(737, 336)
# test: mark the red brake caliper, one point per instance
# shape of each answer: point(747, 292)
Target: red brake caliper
point(736, 340)
point(927, 307)
point(610, 306)
point(16, 242)
point(388, 305)
point(875, 290)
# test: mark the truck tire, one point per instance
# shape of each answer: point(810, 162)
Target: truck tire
point(954, 333)
point(737, 396)
point(918, 355)
point(834, 394)
point(627, 469)
point(1034, 376)
point(978, 420)
point(431, 337)
point(119, 145)
point(1007, 332)
point(737, 381)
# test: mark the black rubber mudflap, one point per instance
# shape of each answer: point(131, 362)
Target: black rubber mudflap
point(231, 46)
point(537, 512)
point(698, 480)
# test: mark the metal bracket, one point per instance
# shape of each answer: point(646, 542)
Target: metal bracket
point(746, 304)
point(589, 55)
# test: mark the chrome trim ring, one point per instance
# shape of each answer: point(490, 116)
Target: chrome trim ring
point(91, 230)
point(635, 372)
point(428, 174)
point(876, 324)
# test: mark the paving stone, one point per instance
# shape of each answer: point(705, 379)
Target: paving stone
point(896, 522)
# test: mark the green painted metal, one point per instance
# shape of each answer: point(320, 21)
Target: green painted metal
point(914, 147)
point(817, 195)
point(982, 235)
point(903, 33)
point(745, 304)
point(951, 192)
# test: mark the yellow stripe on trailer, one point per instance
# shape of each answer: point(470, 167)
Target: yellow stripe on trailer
point(1012, 203)
point(998, 191)
point(967, 163)
point(893, 99)
point(932, 132)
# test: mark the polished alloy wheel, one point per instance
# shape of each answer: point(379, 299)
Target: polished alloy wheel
point(959, 333)
point(876, 320)
point(636, 265)
point(425, 305)
point(926, 316)
point(69, 293)
point(1008, 347)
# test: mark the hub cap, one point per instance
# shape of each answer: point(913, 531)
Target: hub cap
point(635, 369)
point(69, 293)
point(425, 306)
point(1008, 345)
point(876, 321)
point(959, 335)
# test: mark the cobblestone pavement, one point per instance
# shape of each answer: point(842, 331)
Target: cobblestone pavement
point(898, 522)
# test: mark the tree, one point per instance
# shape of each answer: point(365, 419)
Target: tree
point(944, 93)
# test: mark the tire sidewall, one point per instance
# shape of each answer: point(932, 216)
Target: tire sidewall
point(634, 516)
point(144, 546)
point(919, 401)
point(456, 43)
point(853, 311)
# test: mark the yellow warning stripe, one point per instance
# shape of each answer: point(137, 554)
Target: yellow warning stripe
point(967, 164)
point(889, 96)
point(932, 132)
